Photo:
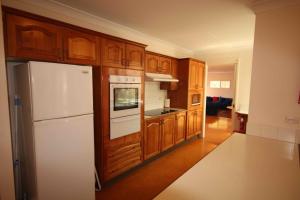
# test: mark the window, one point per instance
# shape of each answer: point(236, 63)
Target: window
point(225, 84)
point(219, 84)
point(214, 84)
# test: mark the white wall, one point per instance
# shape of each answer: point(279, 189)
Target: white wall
point(154, 96)
point(243, 80)
point(222, 76)
point(275, 85)
point(80, 18)
point(6, 168)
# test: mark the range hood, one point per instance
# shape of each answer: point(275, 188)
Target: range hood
point(160, 77)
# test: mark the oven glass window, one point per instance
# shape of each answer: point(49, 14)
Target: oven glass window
point(125, 98)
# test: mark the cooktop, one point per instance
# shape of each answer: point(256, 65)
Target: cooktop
point(161, 111)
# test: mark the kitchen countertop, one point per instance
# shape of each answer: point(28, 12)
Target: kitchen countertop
point(243, 167)
point(153, 115)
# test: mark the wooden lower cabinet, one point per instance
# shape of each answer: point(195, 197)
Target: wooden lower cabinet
point(180, 127)
point(167, 132)
point(121, 154)
point(163, 132)
point(152, 137)
point(194, 123)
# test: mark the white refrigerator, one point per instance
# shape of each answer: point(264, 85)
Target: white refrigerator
point(57, 130)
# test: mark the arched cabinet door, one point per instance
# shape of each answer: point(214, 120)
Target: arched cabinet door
point(113, 53)
point(31, 39)
point(135, 57)
point(180, 127)
point(80, 48)
point(152, 63)
point(168, 124)
point(152, 138)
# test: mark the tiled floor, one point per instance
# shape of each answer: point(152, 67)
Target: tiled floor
point(148, 181)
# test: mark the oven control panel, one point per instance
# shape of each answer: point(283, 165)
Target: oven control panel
point(124, 79)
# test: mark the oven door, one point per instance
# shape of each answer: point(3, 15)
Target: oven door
point(125, 99)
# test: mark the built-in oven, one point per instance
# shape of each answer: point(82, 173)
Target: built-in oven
point(125, 105)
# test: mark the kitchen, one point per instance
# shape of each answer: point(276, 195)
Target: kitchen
point(124, 79)
point(94, 105)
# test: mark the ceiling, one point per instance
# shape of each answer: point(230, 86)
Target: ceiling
point(196, 25)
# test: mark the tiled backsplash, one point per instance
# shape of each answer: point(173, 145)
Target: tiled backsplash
point(278, 133)
point(154, 96)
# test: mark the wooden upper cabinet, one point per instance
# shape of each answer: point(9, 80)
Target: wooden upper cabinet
point(152, 63)
point(164, 66)
point(112, 53)
point(180, 127)
point(196, 71)
point(168, 124)
point(80, 48)
point(135, 56)
point(28, 38)
point(152, 137)
point(158, 64)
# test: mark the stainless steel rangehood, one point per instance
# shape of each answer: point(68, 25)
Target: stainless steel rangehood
point(160, 77)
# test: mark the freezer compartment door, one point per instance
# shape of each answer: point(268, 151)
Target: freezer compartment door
point(60, 90)
point(124, 126)
point(64, 151)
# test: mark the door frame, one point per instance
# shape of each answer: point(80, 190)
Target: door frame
point(7, 189)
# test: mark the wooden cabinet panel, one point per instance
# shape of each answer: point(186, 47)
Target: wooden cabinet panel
point(196, 72)
point(170, 86)
point(200, 73)
point(152, 138)
point(112, 53)
point(164, 66)
point(198, 121)
point(194, 123)
point(80, 48)
point(28, 38)
point(167, 127)
point(193, 76)
point(152, 63)
point(121, 154)
point(135, 57)
point(190, 124)
point(180, 127)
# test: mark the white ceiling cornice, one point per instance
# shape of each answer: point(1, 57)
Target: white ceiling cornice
point(62, 12)
point(259, 6)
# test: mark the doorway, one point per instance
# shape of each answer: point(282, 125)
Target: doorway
point(220, 100)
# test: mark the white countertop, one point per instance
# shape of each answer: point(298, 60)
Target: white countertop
point(242, 168)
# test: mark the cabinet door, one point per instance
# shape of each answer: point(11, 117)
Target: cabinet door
point(193, 75)
point(180, 127)
point(164, 66)
point(152, 138)
point(152, 63)
point(80, 48)
point(135, 56)
point(196, 73)
point(198, 122)
point(34, 40)
point(167, 140)
point(190, 124)
point(112, 53)
point(200, 75)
